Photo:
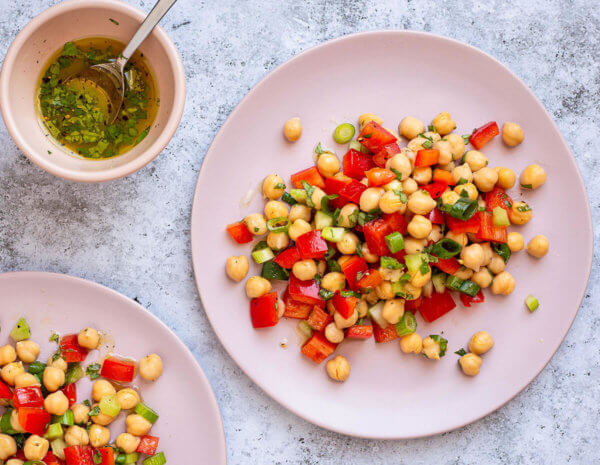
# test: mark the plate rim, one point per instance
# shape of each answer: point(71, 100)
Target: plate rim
point(358, 36)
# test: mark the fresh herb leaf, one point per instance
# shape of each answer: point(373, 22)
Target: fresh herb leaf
point(87, 403)
point(359, 249)
point(461, 181)
point(93, 371)
point(280, 185)
point(461, 352)
point(390, 263)
point(94, 412)
point(524, 208)
point(325, 294)
point(54, 338)
point(427, 144)
point(405, 278)
point(397, 173)
point(526, 186)
point(430, 128)
point(466, 138)
point(358, 295)
point(309, 192)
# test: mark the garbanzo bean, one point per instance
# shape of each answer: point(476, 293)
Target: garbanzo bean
point(14, 421)
point(481, 342)
point(102, 388)
point(472, 256)
point(457, 145)
point(348, 215)
point(410, 127)
point(431, 348)
point(520, 213)
point(476, 160)
point(400, 163)
point(464, 273)
point(445, 149)
point(58, 362)
point(128, 442)
point(278, 240)
point(419, 279)
point(443, 123)
point(56, 403)
point(485, 179)
point(367, 118)
point(128, 398)
point(367, 255)
point(515, 242)
point(450, 197)
point(512, 134)
point(328, 164)
point(342, 322)
point(362, 307)
point(99, 436)
point(419, 227)
point(28, 351)
point(538, 246)
point(411, 343)
point(292, 129)
point(137, 425)
point(422, 174)
point(25, 380)
point(257, 286)
point(470, 188)
point(506, 177)
point(461, 238)
point(275, 209)
point(385, 291)
point(8, 446)
point(334, 334)
point(305, 270)
point(390, 202)
point(80, 413)
point(7, 354)
point(470, 364)
point(237, 267)
point(10, 371)
point(333, 281)
point(256, 224)
point(497, 264)
point(300, 212)
point(151, 367)
point(409, 186)
point(462, 172)
point(317, 197)
point(412, 245)
point(393, 310)
point(421, 203)
point(483, 278)
point(503, 283)
point(435, 234)
point(76, 436)
point(36, 447)
point(369, 199)
point(348, 243)
point(273, 186)
point(88, 338)
point(297, 228)
point(533, 177)
point(338, 368)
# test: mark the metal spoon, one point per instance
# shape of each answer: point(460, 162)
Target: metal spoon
point(109, 78)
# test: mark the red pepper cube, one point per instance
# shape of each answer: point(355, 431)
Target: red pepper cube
point(435, 189)
point(311, 245)
point(412, 305)
point(34, 420)
point(79, 455)
point(379, 176)
point(355, 163)
point(344, 305)
point(51, 459)
point(119, 370)
point(490, 232)
point(30, 396)
point(310, 175)
point(464, 226)
point(370, 280)
point(264, 311)
point(70, 349)
point(386, 334)
point(467, 300)
point(70, 392)
point(359, 332)
point(147, 445)
point(352, 191)
point(305, 291)
point(333, 186)
point(107, 455)
point(484, 134)
point(387, 152)
point(396, 222)
point(318, 319)
point(375, 232)
point(293, 309)
point(353, 269)
point(443, 176)
point(436, 216)
point(436, 306)
point(427, 157)
point(317, 348)
point(497, 197)
point(447, 265)
point(375, 137)
point(287, 258)
point(239, 232)
point(5, 392)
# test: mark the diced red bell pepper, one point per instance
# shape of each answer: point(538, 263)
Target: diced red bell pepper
point(293, 309)
point(396, 222)
point(375, 232)
point(370, 280)
point(400, 255)
point(443, 176)
point(497, 197)
point(379, 176)
point(375, 137)
point(447, 265)
point(51, 459)
point(488, 231)
point(459, 226)
point(5, 392)
point(310, 175)
point(351, 268)
point(305, 291)
point(467, 300)
point(79, 455)
point(436, 216)
point(413, 305)
point(147, 445)
point(427, 157)
point(317, 348)
point(33, 419)
point(334, 185)
point(70, 349)
point(70, 392)
point(484, 134)
point(107, 455)
point(435, 189)
point(387, 152)
point(318, 319)
point(119, 370)
point(352, 191)
point(288, 257)
point(359, 332)
point(355, 164)
point(436, 306)
point(30, 396)
point(311, 245)
point(263, 310)
point(344, 305)
point(240, 233)
point(386, 334)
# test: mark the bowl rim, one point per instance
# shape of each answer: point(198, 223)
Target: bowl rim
point(109, 174)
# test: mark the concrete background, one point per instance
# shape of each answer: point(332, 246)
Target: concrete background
point(133, 234)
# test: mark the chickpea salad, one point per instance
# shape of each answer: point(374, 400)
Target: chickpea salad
point(405, 224)
point(43, 421)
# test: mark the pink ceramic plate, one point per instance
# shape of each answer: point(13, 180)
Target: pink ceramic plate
point(188, 410)
point(394, 74)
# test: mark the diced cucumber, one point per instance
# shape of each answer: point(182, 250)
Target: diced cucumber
point(110, 405)
point(21, 331)
point(439, 282)
point(500, 217)
point(54, 431)
point(413, 261)
point(299, 195)
point(332, 234)
point(263, 255)
point(323, 220)
point(304, 329)
point(532, 303)
point(157, 459)
point(58, 448)
point(376, 314)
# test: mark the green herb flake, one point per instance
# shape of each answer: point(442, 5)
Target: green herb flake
point(524, 208)
point(93, 371)
point(114, 21)
point(526, 186)
point(54, 338)
point(94, 412)
point(461, 352)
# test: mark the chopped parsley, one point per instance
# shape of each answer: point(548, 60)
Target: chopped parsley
point(93, 371)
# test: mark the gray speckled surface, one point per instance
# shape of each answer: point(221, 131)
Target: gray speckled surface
point(133, 234)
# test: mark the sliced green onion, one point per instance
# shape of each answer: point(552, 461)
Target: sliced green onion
point(299, 195)
point(406, 325)
point(502, 249)
point(304, 329)
point(158, 459)
point(287, 198)
point(454, 282)
point(332, 234)
point(532, 302)
point(263, 255)
point(463, 209)
point(376, 314)
point(110, 405)
point(21, 331)
point(58, 447)
point(355, 145)
point(500, 217)
point(35, 368)
point(5, 425)
point(280, 224)
point(309, 193)
point(54, 431)
point(343, 133)
point(390, 263)
point(133, 458)
point(446, 248)
point(442, 343)
point(146, 412)
point(326, 294)
point(395, 242)
point(66, 418)
point(323, 220)
point(120, 459)
point(439, 280)
point(469, 287)
point(272, 270)
point(74, 373)
point(413, 261)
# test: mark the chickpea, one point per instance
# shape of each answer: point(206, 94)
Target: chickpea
point(369, 199)
point(443, 123)
point(411, 343)
point(25, 380)
point(128, 398)
point(137, 424)
point(432, 135)
point(321, 267)
point(56, 403)
point(409, 186)
point(464, 273)
point(297, 228)
point(431, 348)
point(472, 256)
point(273, 186)
point(506, 177)
point(470, 364)
point(370, 297)
point(343, 259)
point(59, 363)
point(348, 215)
point(412, 245)
point(462, 172)
point(421, 203)
point(497, 264)
point(366, 118)
point(256, 224)
point(128, 442)
point(419, 279)
point(422, 174)
point(400, 163)
point(410, 127)
point(503, 283)
point(390, 275)
point(347, 245)
point(488, 253)
point(237, 267)
point(450, 197)
point(8, 446)
point(362, 308)
point(76, 436)
point(538, 246)
point(533, 177)
point(317, 197)
point(469, 188)
point(100, 436)
point(338, 368)
point(28, 351)
point(390, 202)
point(481, 342)
point(35, 447)
point(520, 213)
point(334, 334)
point(328, 164)
point(102, 388)
point(367, 255)
point(80, 413)
point(88, 338)
point(342, 322)
point(385, 291)
point(515, 242)
point(14, 421)
point(393, 310)
point(419, 227)
point(300, 212)
point(416, 144)
point(435, 234)
point(333, 281)
point(15, 462)
point(512, 134)
point(461, 238)
point(275, 209)
point(7, 355)
point(445, 149)
point(483, 278)
point(278, 240)
point(101, 419)
point(256, 286)
point(292, 129)
point(151, 367)
point(10, 371)
point(485, 179)
point(305, 270)
point(476, 160)
point(457, 145)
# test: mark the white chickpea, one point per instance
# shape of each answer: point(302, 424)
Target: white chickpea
point(485, 179)
point(410, 127)
point(481, 342)
point(435, 234)
point(137, 425)
point(432, 135)
point(35, 447)
point(366, 118)
point(342, 322)
point(538, 246)
point(334, 334)
point(393, 310)
point(128, 442)
point(400, 163)
point(102, 388)
point(317, 197)
point(520, 213)
point(257, 286)
point(416, 144)
point(28, 351)
point(237, 267)
point(76, 436)
point(256, 224)
point(300, 212)
point(457, 145)
point(7, 354)
point(101, 419)
point(445, 149)
point(462, 172)
point(390, 202)
point(390, 274)
point(419, 279)
point(450, 197)
point(10, 371)
point(362, 307)
point(412, 245)
point(348, 215)
point(348, 243)
point(8, 446)
point(409, 186)
point(515, 242)
point(464, 273)
point(483, 278)
point(328, 164)
point(421, 203)
point(506, 177)
point(470, 364)
point(56, 403)
point(273, 186)
point(443, 123)
point(88, 338)
point(338, 368)
point(476, 160)
point(275, 209)
point(80, 413)
point(369, 199)
point(128, 398)
point(333, 281)
point(14, 421)
point(393, 185)
point(431, 348)
point(305, 270)
point(469, 188)
point(533, 177)
point(503, 283)
point(411, 343)
point(151, 367)
point(488, 253)
point(278, 240)
point(99, 436)
point(367, 255)
point(419, 227)
point(512, 134)
point(25, 380)
point(297, 228)
point(370, 297)
point(422, 174)
point(58, 362)
point(472, 256)
point(497, 264)
point(16, 462)
point(460, 238)
point(292, 129)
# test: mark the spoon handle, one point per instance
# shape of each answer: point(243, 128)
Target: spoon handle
point(159, 10)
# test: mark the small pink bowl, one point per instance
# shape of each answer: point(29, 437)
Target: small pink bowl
point(28, 55)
